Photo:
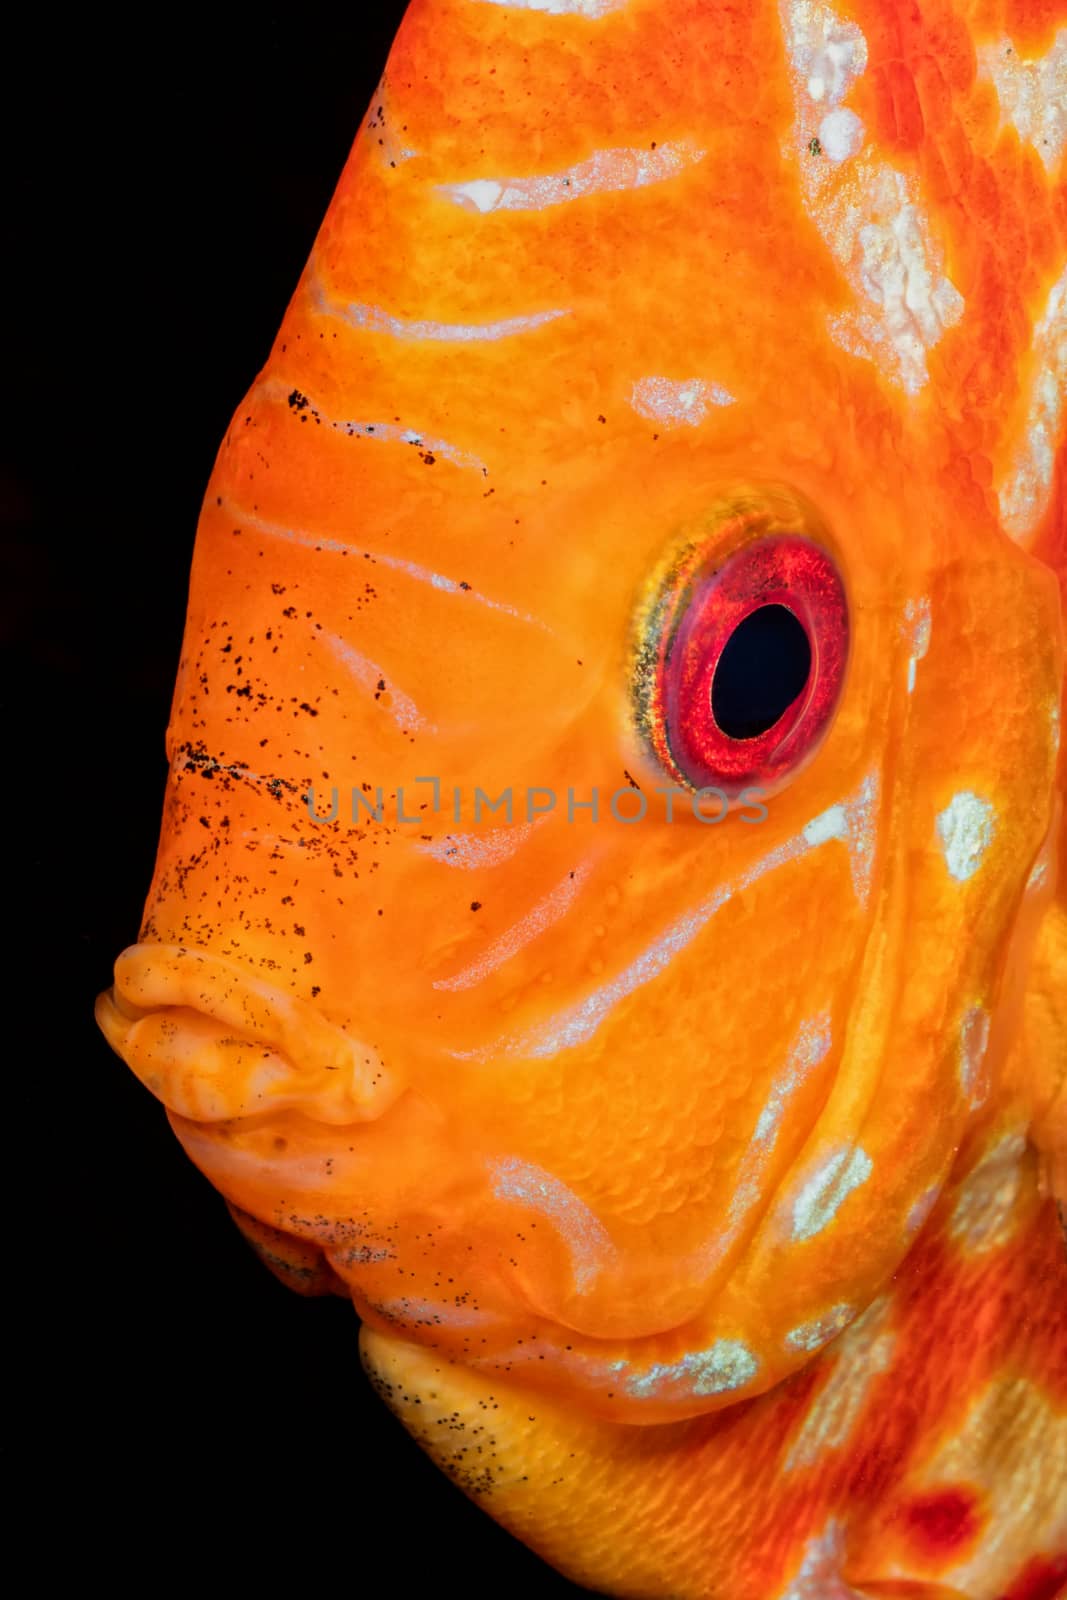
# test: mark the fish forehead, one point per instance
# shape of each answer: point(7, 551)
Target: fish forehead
point(585, 275)
point(663, 234)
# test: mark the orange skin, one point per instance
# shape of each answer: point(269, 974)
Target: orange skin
point(511, 1093)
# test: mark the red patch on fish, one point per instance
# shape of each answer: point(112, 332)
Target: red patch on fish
point(1042, 1580)
point(944, 1522)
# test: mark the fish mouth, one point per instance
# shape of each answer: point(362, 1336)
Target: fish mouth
point(215, 1043)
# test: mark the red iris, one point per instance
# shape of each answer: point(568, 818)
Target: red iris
point(746, 664)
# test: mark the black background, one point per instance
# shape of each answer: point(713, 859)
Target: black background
point(189, 1420)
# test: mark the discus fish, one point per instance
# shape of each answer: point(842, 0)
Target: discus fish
point(610, 919)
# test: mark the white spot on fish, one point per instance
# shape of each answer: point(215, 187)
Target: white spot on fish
point(1039, 872)
point(986, 1212)
point(470, 850)
point(840, 134)
point(672, 402)
point(819, 1574)
point(974, 1042)
point(411, 569)
point(547, 911)
point(811, 1047)
point(854, 824)
point(1024, 494)
point(915, 302)
point(920, 1211)
point(916, 630)
point(965, 829)
point(866, 211)
point(382, 432)
point(403, 710)
point(1032, 94)
point(605, 172)
point(561, 8)
point(863, 1352)
point(392, 432)
point(584, 1234)
point(380, 128)
point(827, 54)
point(481, 194)
point(826, 1191)
point(829, 824)
point(375, 320)
point(813, 1335)
point(726, 1365)
point(1039, 876)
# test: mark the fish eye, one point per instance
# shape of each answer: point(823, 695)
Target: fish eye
point(764, 665)
point(741, 657)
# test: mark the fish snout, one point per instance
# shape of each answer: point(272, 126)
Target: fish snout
point(214, 1043)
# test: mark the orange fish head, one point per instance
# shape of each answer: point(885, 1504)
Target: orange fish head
point(615, 736)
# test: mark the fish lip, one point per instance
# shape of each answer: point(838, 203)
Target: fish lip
point(216, 1043)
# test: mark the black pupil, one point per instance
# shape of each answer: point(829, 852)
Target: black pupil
point(763, 667)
